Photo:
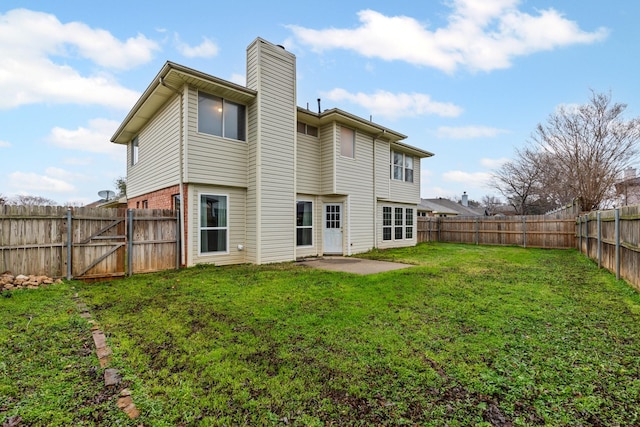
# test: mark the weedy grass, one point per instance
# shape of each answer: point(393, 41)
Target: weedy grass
point(468, 336)
point(49, 374)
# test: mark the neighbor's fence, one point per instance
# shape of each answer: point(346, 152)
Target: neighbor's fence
point(612, 239)
point(87, 243)
point(538, 231)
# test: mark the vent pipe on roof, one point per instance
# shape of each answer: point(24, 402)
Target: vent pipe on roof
point(319, 110)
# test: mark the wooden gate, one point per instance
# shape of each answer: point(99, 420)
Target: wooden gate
point(98, 244)
point(87, 243)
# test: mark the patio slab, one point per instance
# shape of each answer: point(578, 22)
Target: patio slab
point(353, 265)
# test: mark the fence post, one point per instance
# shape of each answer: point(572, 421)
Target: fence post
point(579, 232)
point(439, 228)
point(524, 231)
point(599, 240)
point(586, 222)
point(129, 242)
point(617, 243)
point(69, 243)
point(178, 239)
point(477, 231)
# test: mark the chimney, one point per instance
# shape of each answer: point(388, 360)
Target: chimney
point(465, 199)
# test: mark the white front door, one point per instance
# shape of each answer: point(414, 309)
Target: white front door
point(333, 228)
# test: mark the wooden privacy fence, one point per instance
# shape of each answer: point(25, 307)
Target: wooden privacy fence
point(87, 243)
point(612, 239)
point(538, 231)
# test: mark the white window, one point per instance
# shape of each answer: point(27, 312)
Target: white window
point(347, 142)
point(401, 166)
point(304, 223)
point(397, 223)
point(386, 223)
point(408, 223)
point(217, 116)
point(214, 231)
point(134, 151)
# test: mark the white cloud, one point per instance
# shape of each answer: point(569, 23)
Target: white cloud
point(35, 49)
point(78, 161)
point(494, 163)
point(393, 105)
point(206, 49)
point(471, 179)
point(4, 144)
point(93, 138)
point(239, 79)
point(468, 132)
point(30, 182)
point(480, 35)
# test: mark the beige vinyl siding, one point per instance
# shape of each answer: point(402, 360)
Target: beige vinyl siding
point(383, 172)
point(308, 165)
point(354, 176)
point(236, 205)
point(314, 250)
point(275, 152)
point(212, 158)
point(385, 244)
point(158, 153)
point(252, 154)
point(405, 192)
point(328, 146)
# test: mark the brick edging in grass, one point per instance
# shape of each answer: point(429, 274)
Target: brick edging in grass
point(103, 352)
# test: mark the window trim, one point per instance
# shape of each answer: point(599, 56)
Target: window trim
point(311, 227)
point(200, 228)
point(397, 223)
point(223, 124)
point(402, 165)
point(307, 129)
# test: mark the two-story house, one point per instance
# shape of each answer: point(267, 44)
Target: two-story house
point(260, 180)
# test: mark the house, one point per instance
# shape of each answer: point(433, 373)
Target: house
point(260, 180)
point(440, 207)
point(628, 189)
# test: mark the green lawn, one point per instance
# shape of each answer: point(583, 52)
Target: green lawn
point(469, 336)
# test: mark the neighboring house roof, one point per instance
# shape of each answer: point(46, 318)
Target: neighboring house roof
point(448, 207)
point(172, 76)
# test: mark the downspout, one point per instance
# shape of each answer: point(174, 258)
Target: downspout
point(181, 172)
point(375, 192)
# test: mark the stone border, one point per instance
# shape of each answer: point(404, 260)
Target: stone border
point(112, 377)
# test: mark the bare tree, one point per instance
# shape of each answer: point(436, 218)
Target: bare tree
point(589, 147)
point(32, 201)
point(519, 181)
point(490, 204)
point(3, 199)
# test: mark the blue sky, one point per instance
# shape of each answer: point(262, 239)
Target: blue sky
point(465, 79)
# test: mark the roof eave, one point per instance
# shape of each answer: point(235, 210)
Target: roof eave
point(144, 108)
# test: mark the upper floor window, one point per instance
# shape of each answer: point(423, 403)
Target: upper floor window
point(401, 166)
point(217, 116)
point(307, 129)
point(347, 142)
point(134, 151)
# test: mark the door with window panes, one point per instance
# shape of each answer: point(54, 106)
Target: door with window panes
point(332, 225)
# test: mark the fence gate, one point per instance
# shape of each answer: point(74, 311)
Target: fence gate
point(98, 244)
point(87, 243)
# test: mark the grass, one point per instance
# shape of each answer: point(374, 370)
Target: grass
point(469, 336)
